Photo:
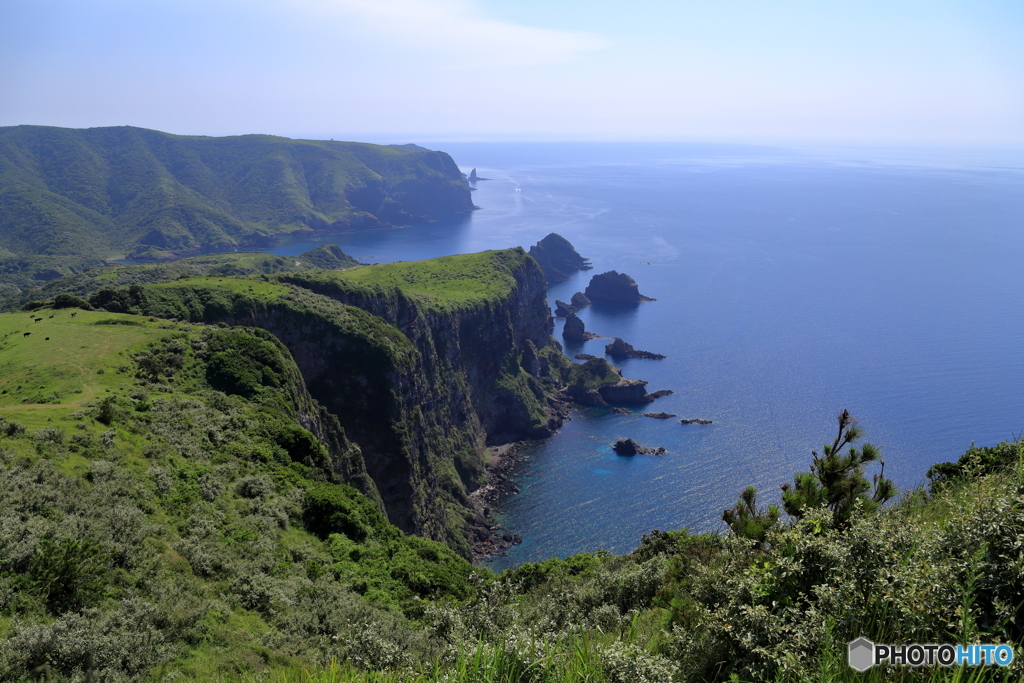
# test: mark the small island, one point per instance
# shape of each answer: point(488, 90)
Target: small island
point(629, 447)
point(660, 416)
point(558, 258)
point(621, 349)
point(695, 421)
point(614, 288)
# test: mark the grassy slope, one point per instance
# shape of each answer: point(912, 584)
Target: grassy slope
point(444, 283)
point(213, 567)
point(103, 192)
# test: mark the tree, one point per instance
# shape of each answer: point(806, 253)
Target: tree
point(747, 520)
point(837, 481)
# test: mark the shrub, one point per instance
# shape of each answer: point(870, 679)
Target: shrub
point(66, 300)
point(69, 574)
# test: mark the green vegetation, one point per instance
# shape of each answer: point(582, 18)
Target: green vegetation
point(446, 283)
point(77, 197)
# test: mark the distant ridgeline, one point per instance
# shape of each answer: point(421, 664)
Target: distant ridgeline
point(71, 198)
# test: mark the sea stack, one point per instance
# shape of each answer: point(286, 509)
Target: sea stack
point(580, 300)
point(557, 258)
point(574, 330)
point(614, 288)
point(564, 310)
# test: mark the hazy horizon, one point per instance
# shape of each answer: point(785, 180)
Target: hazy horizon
point(914, 73)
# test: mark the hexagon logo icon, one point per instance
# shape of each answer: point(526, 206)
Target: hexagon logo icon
point(861, 654)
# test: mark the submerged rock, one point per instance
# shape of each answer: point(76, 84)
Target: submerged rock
point(614, 288)
point(695, 421)
point(557, 258)
point(630, 447)
point(621, 349)
point(660, 416)
point(621, 411)
point(574, 330)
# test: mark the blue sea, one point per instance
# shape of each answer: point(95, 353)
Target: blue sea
point(790, 284)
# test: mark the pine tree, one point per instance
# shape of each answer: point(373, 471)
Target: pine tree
point(837, 481)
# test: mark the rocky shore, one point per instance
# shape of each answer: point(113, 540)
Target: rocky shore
point(487, 537)
point(622, 349)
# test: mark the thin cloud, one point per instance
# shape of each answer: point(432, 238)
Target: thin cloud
point(456, 31)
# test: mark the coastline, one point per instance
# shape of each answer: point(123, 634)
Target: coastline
point(487, 537)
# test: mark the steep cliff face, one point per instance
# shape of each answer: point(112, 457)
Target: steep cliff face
point(421, 383)
point(488, 354)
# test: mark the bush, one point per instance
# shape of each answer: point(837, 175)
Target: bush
point(71, 301)
point(69, 574)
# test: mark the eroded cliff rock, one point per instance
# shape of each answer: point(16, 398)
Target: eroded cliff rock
point(558, 258)
point(614, 287)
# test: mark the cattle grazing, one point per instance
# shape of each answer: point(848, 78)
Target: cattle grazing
point(27, 333)
point(38, 319)
point(51, 316)
point(47, 339)
point(74, 314)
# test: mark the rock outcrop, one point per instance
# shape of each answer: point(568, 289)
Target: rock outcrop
point(614, 288)
point(557, 258)
point(621, 349)
point(574, 330)
point(630, 447)
point(695, 421)
point(564, 310)
point(584, 356)
point(660, 416)
point(598, 383)
point(621, 411)
point(580, 300)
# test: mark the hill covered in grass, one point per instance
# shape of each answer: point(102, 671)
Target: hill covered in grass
point(70, 198)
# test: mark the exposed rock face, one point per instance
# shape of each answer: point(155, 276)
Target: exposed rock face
point(420, 390)
point(630, 447)
point(660, 416)
point(558, 258)
point(621, 349)
point(614, 288)
point(580, 300)
point(597, 383)
point(696, 421)
point(574, 330)
point(564, 310)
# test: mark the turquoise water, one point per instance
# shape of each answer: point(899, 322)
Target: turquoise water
point(790, 285)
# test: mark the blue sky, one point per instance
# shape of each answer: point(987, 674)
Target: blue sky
point(933, 72)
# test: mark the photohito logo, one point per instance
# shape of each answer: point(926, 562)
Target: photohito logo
point(862, 654)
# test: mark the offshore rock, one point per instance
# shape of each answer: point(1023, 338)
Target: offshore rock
point(660, 416)
point(564, 310)
point(660, 392)
point(574, 330)
point(621, 349)
point(695, 421)
point(629, 447)
point(621, 411)
point(614, 288)
point(557, 258)
point(580, 300)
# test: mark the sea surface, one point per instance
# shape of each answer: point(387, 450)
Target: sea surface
point(790, 284)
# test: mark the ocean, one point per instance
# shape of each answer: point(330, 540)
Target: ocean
point(790, 285)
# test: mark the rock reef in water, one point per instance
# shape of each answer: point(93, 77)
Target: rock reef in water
point(614, 288)
point(660, 392)
point(695, 421)
point(660, 416)
point(598, 383)
point(630, 447)
point(557, 258)
point(564, 310)
point(621, 411)
point(574, 330)
point(621, 349)
point(580, 300)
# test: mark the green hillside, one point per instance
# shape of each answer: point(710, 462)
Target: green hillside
point(108, 192)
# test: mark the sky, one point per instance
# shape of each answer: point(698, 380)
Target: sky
point(935, 72)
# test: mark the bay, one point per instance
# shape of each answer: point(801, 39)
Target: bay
point(791, 284)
